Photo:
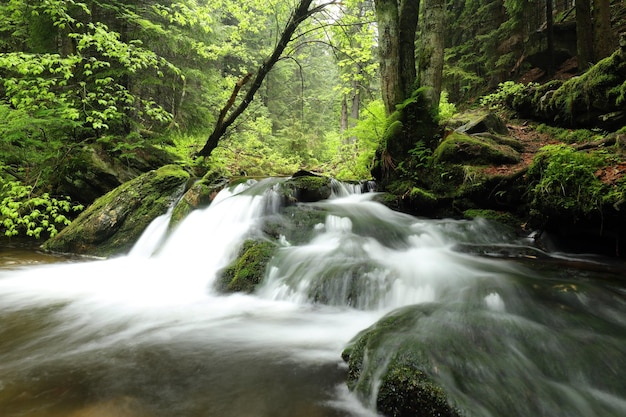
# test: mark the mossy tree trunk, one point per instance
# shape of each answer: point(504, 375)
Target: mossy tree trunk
point(430, 62)
point(397, 24)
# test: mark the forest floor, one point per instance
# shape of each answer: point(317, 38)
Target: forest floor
point(527, 132)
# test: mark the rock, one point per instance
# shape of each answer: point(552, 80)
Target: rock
point(93, 171)
point(114, 222)
point(478, 122)
point(474, 150)
point(248, 269)
point(199, 195)
point(306, 188)
point(388, 362)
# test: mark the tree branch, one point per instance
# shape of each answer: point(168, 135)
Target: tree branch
point(300, 14)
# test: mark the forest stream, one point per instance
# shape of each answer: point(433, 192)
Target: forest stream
point(148, 335)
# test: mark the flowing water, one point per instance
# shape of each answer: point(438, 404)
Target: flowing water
point(147, 335)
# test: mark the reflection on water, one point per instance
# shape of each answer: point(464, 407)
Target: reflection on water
point(146, 335)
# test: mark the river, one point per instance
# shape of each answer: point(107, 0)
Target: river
point(146, 334)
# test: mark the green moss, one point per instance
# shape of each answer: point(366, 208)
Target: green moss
point(115, 221)
point(406, 387)
point(563, 181)
point(248, 270)
point(601, 88)
point(473, 150)
point(393, 131)
point(569, 135)
point(306, 188)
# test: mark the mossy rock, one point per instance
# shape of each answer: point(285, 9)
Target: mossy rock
point(199, 195)
point(593, 99)
point(478, 121)
point(93, 170)
point(459, 148)
point(248, 269)
point(114, 222)
point(306, 188)
point(472, 357)
point(406, 387)
point(296, 223)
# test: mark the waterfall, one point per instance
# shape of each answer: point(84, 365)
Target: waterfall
point(148, 334)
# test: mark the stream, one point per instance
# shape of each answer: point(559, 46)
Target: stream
point(147, 335)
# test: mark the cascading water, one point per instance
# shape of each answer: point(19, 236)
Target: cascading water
point(148, 335)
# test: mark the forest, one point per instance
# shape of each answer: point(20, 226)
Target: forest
point(95, 92)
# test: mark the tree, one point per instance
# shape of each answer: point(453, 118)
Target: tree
point(430, 62)
point(603, 39)
point(302, 12)
point(397, 25)
point(584, 34)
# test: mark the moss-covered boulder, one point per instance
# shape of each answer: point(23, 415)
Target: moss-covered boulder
point(460, 148)
point(94, 170)
point(472, 358)
point(306, 187)
point(596, 98)
point(113, 223)
point(477, 121)
point(388, 362)
point(248, 269)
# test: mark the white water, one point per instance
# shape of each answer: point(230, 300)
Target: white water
point(147, 335)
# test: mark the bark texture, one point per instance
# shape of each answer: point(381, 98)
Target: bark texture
point(397, 24)
point(432, 47)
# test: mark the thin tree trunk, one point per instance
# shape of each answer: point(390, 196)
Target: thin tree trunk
point(584, 34)
point(300, 14)
point(344, 114)
point(603, 41)
point(550, 37)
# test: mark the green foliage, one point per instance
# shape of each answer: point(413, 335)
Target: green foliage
point(507, 92)
point(570, 135)
point(565, 180)
point(354, 158)
point(23, 212)
point(446, 109)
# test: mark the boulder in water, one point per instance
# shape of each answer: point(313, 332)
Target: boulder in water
point(114, 222)
point(248, 269)
point(388, 362)
point(306, 187)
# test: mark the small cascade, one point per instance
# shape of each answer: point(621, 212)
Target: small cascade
point(147, 334)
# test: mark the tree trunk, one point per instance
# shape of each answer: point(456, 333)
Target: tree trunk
point(397, 24)
point(430, 64)
point(584, 34)
point(299, 14)
point(344, 115)
point(389, 53)
point(603, 40)
point(550, 37)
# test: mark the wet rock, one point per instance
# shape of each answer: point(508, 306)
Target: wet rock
point(248, 269)
point(114, 222)
point(199, 195)
point(306, 187)
point(388, 362)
